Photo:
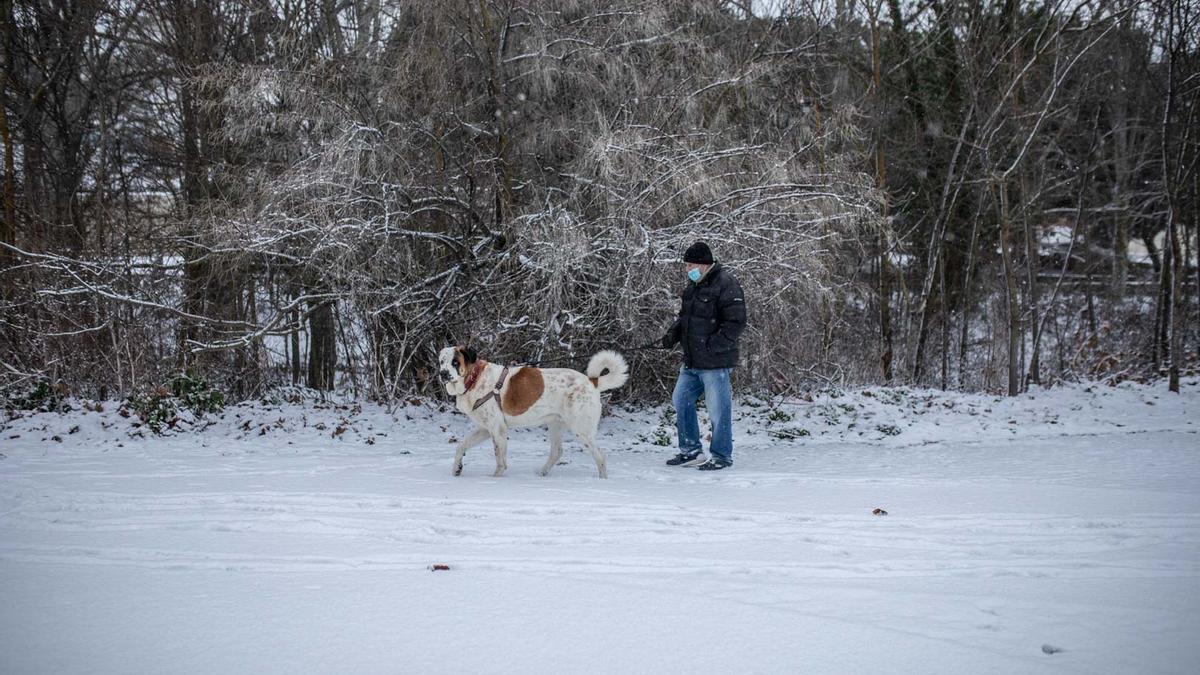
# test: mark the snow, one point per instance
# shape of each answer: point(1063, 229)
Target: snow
point(1137, 252)
point(299, 538)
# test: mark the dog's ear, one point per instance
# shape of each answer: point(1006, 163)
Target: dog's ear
point(469, 355)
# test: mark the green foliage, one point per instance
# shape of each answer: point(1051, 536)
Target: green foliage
point(778, 415)
point(789, 434)
point(159, 409)
point(156, 409)
point(196, 395)
point(44, 397)
point(662, 435)
point(892, 396)
point(888, 429)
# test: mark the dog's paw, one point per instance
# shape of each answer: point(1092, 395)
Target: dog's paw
point(457, 470)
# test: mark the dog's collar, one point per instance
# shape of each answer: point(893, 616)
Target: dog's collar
point(495, 393)
point(473, 376)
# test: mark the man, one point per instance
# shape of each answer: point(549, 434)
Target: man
point(711, 318)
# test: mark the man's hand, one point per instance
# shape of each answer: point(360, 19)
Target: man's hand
point(668, 340)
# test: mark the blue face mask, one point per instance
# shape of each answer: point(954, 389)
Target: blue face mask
point(694, 274)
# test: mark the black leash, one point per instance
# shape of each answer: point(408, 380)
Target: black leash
point(649, 345)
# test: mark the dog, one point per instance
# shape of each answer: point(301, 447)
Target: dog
point(498, 398)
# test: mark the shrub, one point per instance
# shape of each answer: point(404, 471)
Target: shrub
point(888, 429)
point(661, 437)
point(195, 394)
point(789, 434)
point(44, 397)
point(159, 409)
point(156, 409)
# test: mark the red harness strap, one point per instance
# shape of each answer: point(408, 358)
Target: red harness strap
point(495, 393)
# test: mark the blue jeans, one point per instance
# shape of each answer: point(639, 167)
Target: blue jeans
point(718, 397)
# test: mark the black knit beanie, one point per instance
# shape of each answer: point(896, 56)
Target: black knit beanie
point(698, 253)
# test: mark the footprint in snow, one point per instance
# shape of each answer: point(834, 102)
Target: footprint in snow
point(1051, 649)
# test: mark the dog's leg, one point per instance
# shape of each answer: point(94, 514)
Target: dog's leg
point(598, 455)
point(583, 419)
point(555, 447)
point(474, 438)
point(501, 441)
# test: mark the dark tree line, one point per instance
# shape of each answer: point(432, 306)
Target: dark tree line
point(977, 195)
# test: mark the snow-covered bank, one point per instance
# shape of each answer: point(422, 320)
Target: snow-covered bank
point(298, 538)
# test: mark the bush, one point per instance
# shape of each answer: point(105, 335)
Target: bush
point(44, 397)
point(661, 437)
point(156, 409)
point(195, 394)
point(160, 408)
point(789, 433)
point(889, 429)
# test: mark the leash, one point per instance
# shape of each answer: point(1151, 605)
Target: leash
point(568, 359)
point(495, 392)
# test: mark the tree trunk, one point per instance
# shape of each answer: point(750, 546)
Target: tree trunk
point(945, 324)
point(1120, 266)
point(195, 30)
point(1118, 104)
point(494, 41)
point(1012, 302)
point(1087, 267)
point(1160, 351)
point(351, 361)
point(1152, 251)
point(1032, 260)
point(965, 302)
point(1176, 306)
point(1173, 256)
point(885, 286)
point(322, 347)
point(937, 240)
point(1195, 253)
point(8, 229)
point(33, 169)
point(294, 339)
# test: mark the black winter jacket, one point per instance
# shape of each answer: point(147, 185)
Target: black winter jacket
point(712, 315)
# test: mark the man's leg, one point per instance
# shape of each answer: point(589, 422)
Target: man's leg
point(718, 396)
point(687, 391)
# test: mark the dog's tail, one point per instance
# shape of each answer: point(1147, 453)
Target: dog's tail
point(608, 370)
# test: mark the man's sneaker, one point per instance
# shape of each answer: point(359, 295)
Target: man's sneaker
point(683, 458)
point(715, 464)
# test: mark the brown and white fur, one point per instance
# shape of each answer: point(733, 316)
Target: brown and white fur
point(557, 398)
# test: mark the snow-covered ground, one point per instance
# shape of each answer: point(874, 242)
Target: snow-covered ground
point(299, 538)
